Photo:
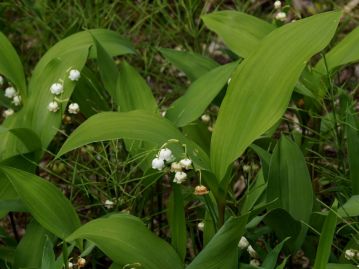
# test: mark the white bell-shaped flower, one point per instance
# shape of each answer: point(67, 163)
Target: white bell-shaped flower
point(186, 163)
point(16, 100)
point(8, 112)
point(53, 106)
point(158, 164)
point(166, 155)
point(74, 108)
point(74, 75)
point(10, 92)
point(180, 177)
point(57, 88)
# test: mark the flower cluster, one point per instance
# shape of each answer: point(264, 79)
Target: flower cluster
point(57, 89)
point(11, 93)
point(164, 157)
point(280, 15)
point(352, 254)
point(244, 244)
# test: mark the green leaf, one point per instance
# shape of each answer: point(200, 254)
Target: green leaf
point(289, 181)
point(30, 249)
point(135, 125)
point(71, 52)
point(340, 266)
point(345, 52)
point(326, 240)
point(46, 203)
point(177, 221)
point(350, 208)
point(199, 95)
point(108, 70)
point(283, 225)
point(126, 240)
point(48, 255)
point(270, 260)
point(352, 130)
point(262, 85)
point(240, 32)
point(222, 250)
point(11, 66)
point(192, 64)
point(133, 92)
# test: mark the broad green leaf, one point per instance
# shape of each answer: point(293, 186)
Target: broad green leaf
point(30, 249)
point(126, 240)
point(71, 52)
point(133, 92)
point(192, 64)
point(199, 95)
point(262, 85)
point(350, 208)
point(352, 130)
point(108, 70)
point(283, 225)
point(177, 221)
point(326, 240)
point(289, 181)
point(11, 66)
point(255, 192)
point(48, 255)
point(46, 203)
point(241, 32)
point(270, 260)
point(135, 125)
point(222, 250)
point(345, 52)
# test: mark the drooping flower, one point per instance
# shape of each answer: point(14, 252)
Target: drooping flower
point(53, 106)
point(109, 204)
point(70, 265)
point(74, 75)
point(176, 167)
point(81, 262)
point(349, 254)
point(74, 108)
point(10, 92)
point(255, 262)
point(16, 100)
point(200, 226)
point(57, 88)
point(243, 243)
point(252, 252)
point(8, 112)
point(277, 4)
point(180, 177)
point(206, 118)
point(200, 190)
point(186, 163)
point(158, 164)
point(281, 16)
point(166, 155)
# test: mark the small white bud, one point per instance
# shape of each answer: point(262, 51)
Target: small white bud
point(163, 113)
point(349, 254)
point(255, 263)
point(165, 154)
point(200, 226)
point(281, 16)
point(53, 106)
point(74, 108)
point(10, 92)
point(176, 167)
point(109, 204)
point(246, 168)
point(252, 252)
point(158, 164)
point(56, 88)
point(277, 4)
point(1, 80)
point(229, 81)
point(206, 118)
point(74, 75)
point(70, 265)
point(186, 163)
point(243, 243)
point(16, 100)
point(8, 112)
point(180, 177)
